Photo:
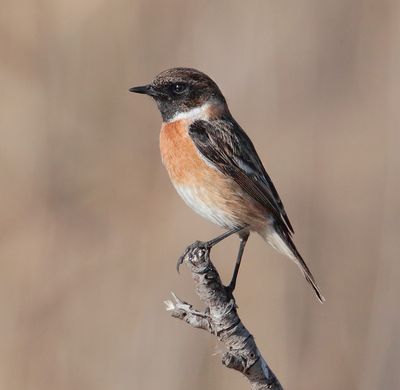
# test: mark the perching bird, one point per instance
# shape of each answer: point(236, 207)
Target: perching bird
point(214, 166)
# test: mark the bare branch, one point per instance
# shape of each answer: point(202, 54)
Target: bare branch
point(221, 319)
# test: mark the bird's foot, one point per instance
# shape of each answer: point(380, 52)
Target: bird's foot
point(195, 246)
point(229, 290)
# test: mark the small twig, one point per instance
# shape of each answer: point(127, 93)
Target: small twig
point(221, 319)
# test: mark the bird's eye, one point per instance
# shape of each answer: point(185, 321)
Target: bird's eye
point(178, 88)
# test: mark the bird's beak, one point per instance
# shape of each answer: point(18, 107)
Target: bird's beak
point(144, 89)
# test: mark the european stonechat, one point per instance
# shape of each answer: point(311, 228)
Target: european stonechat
point(214, 166)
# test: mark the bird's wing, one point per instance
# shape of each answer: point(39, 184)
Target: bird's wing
point(227, 147)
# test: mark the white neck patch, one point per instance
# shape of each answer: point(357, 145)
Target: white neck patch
point(198, 113)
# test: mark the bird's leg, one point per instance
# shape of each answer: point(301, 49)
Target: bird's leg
point(243, 240)
point(209, 244)
point(218, 239)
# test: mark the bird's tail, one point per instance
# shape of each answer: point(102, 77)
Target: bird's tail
point(282, 242)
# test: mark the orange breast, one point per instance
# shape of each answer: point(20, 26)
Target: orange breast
point(181, 157)
point(212, 194)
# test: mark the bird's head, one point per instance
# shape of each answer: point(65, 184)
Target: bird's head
point(181, 92)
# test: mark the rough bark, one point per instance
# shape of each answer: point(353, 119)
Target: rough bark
point(221, 319)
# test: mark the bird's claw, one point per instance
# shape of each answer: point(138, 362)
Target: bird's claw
point(180, 261)
point(229, 291)
point(190, 248)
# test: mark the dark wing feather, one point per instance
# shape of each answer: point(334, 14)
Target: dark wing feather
point(227, 147)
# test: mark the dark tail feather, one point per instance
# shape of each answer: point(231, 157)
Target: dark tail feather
point(310, 279)
point(282, 241)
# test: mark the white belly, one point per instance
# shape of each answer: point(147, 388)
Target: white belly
point(203, 204)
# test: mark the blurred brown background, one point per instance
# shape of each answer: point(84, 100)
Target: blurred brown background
point(91, 228)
